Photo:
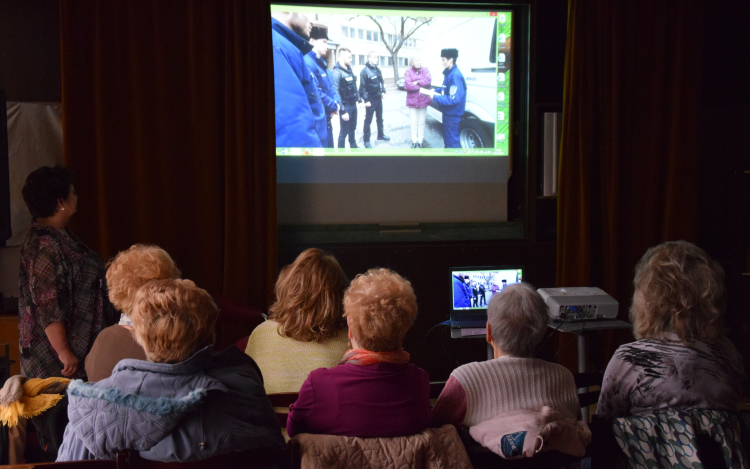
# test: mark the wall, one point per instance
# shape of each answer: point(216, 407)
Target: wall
point(30, 50)
point(725, 167)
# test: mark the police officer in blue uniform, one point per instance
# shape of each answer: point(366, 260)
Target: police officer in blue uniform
point(451, 98)
point(345, 85)
point(298, 106)
point(371, 90)
point(461, 293)
point(316, 61)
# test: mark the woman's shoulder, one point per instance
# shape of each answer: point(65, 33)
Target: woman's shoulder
point(39, 236)
point(268, 335)
point(265, 327)
point(420, 373)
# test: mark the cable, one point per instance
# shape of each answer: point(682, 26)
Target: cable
point(574, 340)
point(442, 338)
point(544, 342)
point(444, 323)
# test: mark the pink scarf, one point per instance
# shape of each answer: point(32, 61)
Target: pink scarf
point(366, 357)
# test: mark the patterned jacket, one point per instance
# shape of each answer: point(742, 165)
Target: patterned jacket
point(61, 279)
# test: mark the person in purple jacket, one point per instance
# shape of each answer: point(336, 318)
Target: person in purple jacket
point(417, 77)
point(374, 392)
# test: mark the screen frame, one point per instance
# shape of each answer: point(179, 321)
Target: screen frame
point(451, 270)
point(517, 226)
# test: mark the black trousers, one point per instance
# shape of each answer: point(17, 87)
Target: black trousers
point(376, 107)
point(348, 127)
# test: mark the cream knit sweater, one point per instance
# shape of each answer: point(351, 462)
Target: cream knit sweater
point(285, 363)
point(508, 383)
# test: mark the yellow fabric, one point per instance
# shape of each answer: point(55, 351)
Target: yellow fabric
point(31, 403)
point(285, 363)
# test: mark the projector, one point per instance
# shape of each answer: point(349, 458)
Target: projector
point(579, 303)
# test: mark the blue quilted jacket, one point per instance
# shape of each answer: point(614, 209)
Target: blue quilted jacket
point(210, 404)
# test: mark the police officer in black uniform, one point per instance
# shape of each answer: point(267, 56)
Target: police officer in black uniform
point(371, 90)
point(345, 85)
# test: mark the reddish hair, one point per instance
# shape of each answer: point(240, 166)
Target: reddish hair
point(308, 297)
point(381, 307)
point(173, 319)
point(132, 268)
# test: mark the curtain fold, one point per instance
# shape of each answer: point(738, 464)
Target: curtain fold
point(166, 114)
point(630, 140)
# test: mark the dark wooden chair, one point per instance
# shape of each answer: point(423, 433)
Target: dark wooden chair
point(436, 387)
point(250, 459)
point(605, 453)
point(94, 464)
point(281, 402)
point(588, 380)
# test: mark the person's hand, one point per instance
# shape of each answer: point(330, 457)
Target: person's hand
point(345, 117)
point(70, 363)
point(383, 91)
point(367, 104)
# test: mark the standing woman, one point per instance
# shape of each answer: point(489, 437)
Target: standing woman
point(63, 293)
point(417, 77)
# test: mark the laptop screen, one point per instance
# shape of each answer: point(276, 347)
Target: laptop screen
point(473, 287)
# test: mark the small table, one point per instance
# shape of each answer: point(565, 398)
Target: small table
point(584, 328)
point(473, 333)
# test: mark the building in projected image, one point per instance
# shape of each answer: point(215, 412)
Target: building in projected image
point(361, 34)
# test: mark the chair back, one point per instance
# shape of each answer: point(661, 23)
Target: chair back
point(691, 439)
point(92, 464)
point(583, 382)
point(255, 458)
point(432, 448)
point(281, 402)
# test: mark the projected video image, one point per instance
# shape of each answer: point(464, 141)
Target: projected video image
point(474, 289)
point(351, 81)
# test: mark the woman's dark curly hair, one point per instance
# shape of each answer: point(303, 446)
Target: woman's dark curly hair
point(44, 187)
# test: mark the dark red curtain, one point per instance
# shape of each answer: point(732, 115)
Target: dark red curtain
point(630, 146)
point(168, 124)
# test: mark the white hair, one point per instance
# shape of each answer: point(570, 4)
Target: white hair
point(518, 318)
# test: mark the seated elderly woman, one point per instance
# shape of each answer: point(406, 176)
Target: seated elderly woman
point(187, 402)
point(513, 380)
point(126, 273)
point(306, 330)
point(681, 358)
point(375, 391)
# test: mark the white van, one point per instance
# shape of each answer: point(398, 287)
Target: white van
point(475, 39)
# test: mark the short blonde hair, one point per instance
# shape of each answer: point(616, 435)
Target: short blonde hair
point(381, 307)
point(679, 289)
point(518, 319)
point(172, 319)
point(308, 297)
point(132, 268)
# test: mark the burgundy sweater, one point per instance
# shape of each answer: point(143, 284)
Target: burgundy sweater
point(380, 400)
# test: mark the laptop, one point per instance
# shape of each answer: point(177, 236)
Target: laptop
point(472, 289)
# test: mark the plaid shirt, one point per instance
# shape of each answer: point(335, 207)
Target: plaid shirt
point(61, 280)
